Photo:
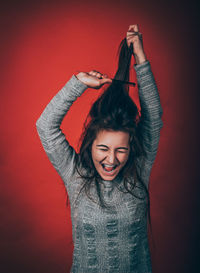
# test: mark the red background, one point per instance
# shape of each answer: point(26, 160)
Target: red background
point(42, 44)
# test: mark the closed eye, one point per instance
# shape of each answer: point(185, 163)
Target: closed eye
point(122, 151)
point(103, 150)
point(102, 147)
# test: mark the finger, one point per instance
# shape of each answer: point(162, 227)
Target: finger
point(96, 74)
point(134, 27)
point(105, 80)
point(129, 33)
point(99, 75)
point(132, 39)
point(92, 72)
point(133, 33)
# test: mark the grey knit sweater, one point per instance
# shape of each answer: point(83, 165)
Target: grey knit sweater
point(105, 241)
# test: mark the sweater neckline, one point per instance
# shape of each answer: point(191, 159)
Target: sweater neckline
point(111, 183)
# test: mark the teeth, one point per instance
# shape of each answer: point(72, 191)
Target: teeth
point(109, 168)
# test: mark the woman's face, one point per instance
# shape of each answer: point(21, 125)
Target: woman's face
point(110, 152)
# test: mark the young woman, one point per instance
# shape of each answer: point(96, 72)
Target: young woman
point(107, 181)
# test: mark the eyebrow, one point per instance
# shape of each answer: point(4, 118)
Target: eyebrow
point(102, 145)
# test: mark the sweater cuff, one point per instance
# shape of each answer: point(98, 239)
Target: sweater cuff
point(77, 86)
point(142, 70)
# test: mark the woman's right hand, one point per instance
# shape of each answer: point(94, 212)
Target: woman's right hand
point(93, 79)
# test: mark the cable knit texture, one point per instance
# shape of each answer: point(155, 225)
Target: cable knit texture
point(105, 240)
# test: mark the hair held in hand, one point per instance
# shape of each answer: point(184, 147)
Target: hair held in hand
point(113, 110)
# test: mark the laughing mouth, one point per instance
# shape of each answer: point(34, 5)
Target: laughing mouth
point(109, 168)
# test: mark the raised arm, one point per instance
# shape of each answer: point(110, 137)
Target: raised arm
point(151, 111)
point(57, 148)
point(150, 122)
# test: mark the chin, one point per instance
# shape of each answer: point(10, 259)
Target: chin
point(108, 178)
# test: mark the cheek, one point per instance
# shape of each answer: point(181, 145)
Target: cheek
point(96, 155)
point(123, 158)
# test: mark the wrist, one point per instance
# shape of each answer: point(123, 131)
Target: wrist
point(140, 58)
point(79, 76)
point(77, 82)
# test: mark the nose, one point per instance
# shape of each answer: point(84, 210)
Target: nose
point(111, 157)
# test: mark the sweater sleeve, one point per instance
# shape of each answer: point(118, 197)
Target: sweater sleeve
point(57, 148)
point(150, 122)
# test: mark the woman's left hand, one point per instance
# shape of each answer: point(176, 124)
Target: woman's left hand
point(135, 37)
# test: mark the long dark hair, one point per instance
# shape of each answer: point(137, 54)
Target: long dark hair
point(113, 110)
